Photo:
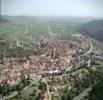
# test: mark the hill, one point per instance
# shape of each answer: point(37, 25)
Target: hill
point(21, 19)
point(93, 29)
point(3, 20)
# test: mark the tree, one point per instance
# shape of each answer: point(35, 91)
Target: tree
point(65, 94)
point(97, 92)
point(42, 86)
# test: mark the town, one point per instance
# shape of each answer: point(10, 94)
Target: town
point(59, 64)
point(51, 50)
point(57, 56)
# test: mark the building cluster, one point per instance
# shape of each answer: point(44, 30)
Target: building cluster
point(57, 56)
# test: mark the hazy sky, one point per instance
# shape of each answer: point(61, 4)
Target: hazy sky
point(75, 8)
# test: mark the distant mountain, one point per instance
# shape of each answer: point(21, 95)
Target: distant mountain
point(93, 29)
point(21, 19)
point(3, 20)
point(43, 19)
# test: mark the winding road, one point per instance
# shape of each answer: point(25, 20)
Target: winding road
point(90, 50)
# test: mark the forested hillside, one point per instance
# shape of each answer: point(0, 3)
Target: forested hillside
point(93, 29)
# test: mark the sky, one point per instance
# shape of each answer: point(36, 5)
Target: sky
point(71, 8)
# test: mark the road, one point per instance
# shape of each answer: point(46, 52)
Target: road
point(16, 92)
point(44, 80)
point(11, 96)
point(89, 51)
point(83, 94)
point(50, 33)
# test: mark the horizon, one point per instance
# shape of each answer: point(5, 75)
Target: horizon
point(67, 17)
point(52, 8)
